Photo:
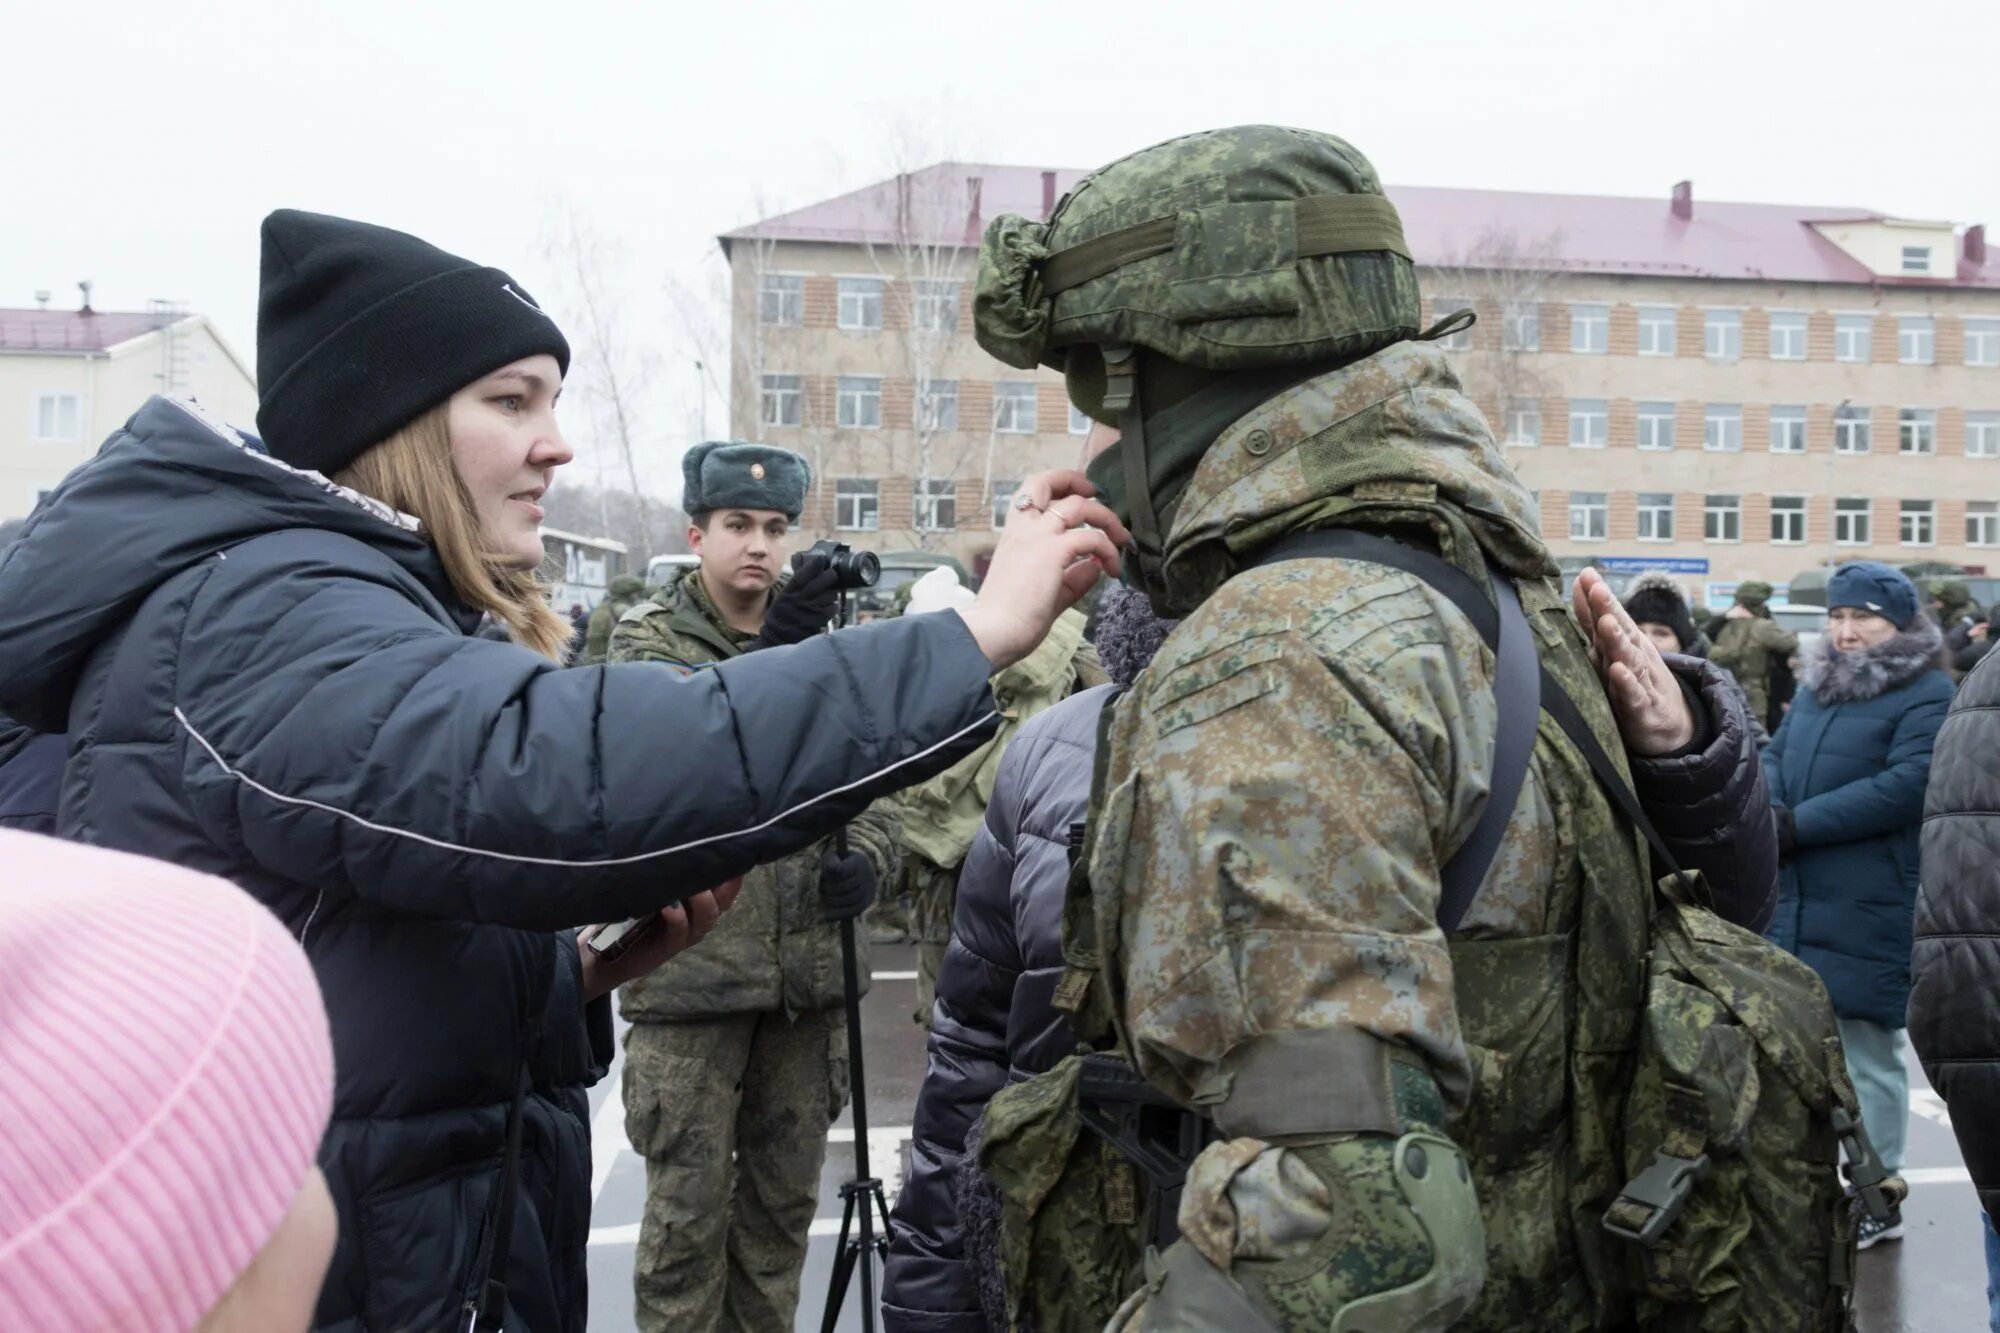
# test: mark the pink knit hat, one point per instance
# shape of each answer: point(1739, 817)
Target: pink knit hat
point(165, 1076)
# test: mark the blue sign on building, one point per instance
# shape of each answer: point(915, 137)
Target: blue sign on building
point(1638, 564)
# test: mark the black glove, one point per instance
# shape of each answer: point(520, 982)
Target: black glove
point(846, 885)
point(803, 608)
point(1788, 831)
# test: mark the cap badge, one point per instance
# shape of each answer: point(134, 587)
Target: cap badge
point(757, 472)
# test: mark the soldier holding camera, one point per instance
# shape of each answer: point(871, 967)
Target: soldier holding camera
point(736, 1062)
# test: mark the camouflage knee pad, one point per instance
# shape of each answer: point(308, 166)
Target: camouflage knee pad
point(1389, 1239)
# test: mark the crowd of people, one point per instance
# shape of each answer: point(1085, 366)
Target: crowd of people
point(1345, 924)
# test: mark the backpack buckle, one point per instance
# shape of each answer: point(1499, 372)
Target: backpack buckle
point(1651, 1200)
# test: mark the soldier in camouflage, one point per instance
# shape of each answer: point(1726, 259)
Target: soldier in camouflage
point(623, 594)
point(736, 1062)
point(1752, 647)
point(1310, 746)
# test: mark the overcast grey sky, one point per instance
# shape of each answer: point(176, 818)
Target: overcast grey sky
point(146, 141)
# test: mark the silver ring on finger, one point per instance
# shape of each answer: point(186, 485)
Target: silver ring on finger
point(1024, 502)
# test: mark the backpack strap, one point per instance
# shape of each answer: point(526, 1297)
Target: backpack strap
point(1487, 610)
point(488, 1303)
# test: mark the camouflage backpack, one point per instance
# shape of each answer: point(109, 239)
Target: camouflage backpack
point(1730, 1105)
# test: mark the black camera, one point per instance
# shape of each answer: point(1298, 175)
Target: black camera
point(851, 568)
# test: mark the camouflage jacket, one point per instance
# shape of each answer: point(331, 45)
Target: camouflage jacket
point(772, 951)
point(1747, 648)
point(939, 818)
point(597, 632)
point(1284, 781)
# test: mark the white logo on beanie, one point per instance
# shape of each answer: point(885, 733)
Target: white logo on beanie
point(508, 288)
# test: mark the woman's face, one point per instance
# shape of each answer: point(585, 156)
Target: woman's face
point(1663, 638)
point(1851, 628)
point(506, 446)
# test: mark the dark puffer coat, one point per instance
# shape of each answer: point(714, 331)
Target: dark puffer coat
point(1850, 763)
point(994, 1023)
point(31, 766)
point(271, 680)
point(1955, 1001)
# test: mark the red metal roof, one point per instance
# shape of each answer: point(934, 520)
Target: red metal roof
point(74, 331)
point(1591, 233)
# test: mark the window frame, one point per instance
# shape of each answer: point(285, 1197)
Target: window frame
point(927, 304)
point(1581, 321)
point(1001, 497)
point(1715, 415)
point(858, 389)
point(1844, 508)
point(1861, 426)
point(1926, 519)
point(1642, 419)
point(1922, 254)
point(1461, 339)
point(1983, 334)
point(1844, 327)
point(1987, 518)
point(1653, 510)
point(1794, 415)
point(1795, 322)
point(1516, 318)
point(1916, 340)
point(1727, 323)
point(1916, 425)
point(1008, 392)
point(864, 299)
point(1520, 411)
point(1580, 410)
point(1602, 509)
point(50, 403)
point(1982, 429)
point(1671, 325)
point(927, 497)
point(767, 393)
point(786, 300)
point(1792, 507)
point(1079, 420)
point(1732, 511)
point(867, 504)
point(938, 394)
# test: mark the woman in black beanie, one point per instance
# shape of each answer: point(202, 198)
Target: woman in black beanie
point(264, 657)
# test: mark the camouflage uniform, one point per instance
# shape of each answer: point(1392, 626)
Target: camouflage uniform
point(1309, 747)
point(736, 1062)
point(624, 592)
point(1748, 648)
point(939, 818)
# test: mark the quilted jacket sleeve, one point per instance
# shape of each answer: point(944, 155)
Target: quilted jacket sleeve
point(1955, 964)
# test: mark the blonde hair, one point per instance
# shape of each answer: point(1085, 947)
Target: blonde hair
point(412, 470)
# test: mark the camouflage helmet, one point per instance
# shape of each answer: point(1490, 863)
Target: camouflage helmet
point(1226, 250)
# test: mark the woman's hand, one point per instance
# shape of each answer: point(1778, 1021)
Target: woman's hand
point(1057, 543)
point(682, 925)
point(1652, 712)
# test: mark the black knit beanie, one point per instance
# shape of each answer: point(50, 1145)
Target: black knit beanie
point(360, 330)
point(1655, 599)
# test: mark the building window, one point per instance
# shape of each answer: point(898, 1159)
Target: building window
point(1788, 430)
point(1916, 340)
point(1521, 327)
point(1982, 342)
point(1919, 523)
point(1590, 328)
point(1656, 516)
point(1916, 430)
point(1851, 431)
point(1722, 428)
point(781, 300)
point(937, 405)
point(1589, 516)
point(857, 504)
point(1079, 420)
point(935, 505)
point(1982, 434)
point(1014, 407)
point(936, 305)
point(1589, 423)
point(1722, 518)
point(1982, 523)
point(1003, 499)
point(1448, 305)
point(1722, 335)
point(783, 402)
point(861, 303)
point(1788, 520)
point(1656, 425)
point(1916, 259)
point(1788, 336)
point(1656, 330)
point(1524, 422)
point(58, 418)
point(1852, 521)
point(1852, 335)
point(859, 405)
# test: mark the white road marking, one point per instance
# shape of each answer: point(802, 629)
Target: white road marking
point(607, 1127)
point(1930, 1106)
point(893, 976)
point(1938, 1175)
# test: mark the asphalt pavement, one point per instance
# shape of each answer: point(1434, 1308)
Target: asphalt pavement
point(1932, 1281)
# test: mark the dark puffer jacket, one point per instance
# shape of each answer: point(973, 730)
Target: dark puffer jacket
point(270, 680)
point(31, 766)
point(994, 1023)
point(1955, 1001)
point(1851, 762)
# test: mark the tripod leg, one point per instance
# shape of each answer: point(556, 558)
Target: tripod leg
point(844, 1253)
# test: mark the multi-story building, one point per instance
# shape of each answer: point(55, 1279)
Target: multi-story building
point(68, 378)
point(1728, 391)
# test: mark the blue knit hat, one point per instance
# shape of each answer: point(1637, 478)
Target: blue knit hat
point(1870, 585)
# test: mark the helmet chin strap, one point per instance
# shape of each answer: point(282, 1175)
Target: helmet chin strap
point(1121, 395)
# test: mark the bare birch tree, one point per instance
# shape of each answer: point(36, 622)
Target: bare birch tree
point(1506, 274)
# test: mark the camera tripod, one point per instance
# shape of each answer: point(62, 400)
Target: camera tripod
point(862, 1243)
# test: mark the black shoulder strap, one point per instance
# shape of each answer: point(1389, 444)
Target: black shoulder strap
point(489, 1299)
point(1496, 613)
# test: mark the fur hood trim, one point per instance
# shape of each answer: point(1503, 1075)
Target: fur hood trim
point(1836, 678)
